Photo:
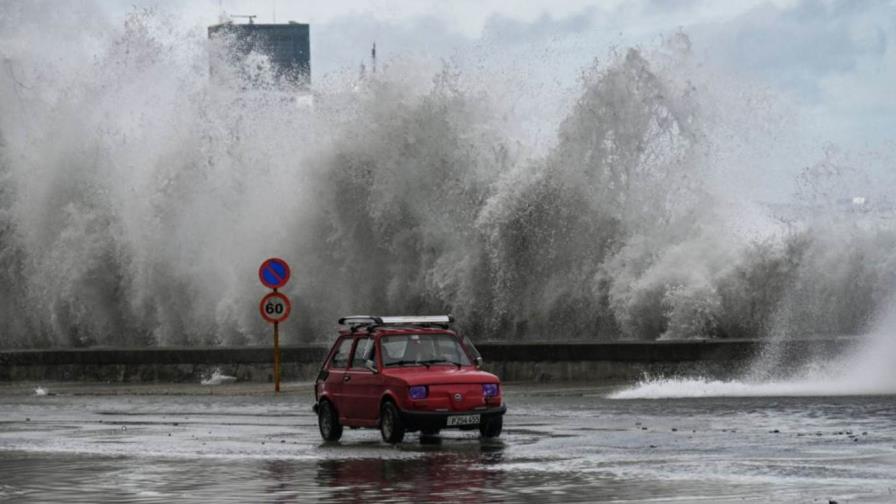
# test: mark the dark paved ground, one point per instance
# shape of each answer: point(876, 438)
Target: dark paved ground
point(241, 443)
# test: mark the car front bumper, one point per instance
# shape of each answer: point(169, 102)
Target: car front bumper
point(436, 420)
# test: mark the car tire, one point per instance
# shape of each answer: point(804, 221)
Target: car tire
point(491, 427)
point(391, 427)
point(328, 421)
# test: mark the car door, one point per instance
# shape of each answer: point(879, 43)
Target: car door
point(336, 374)
point(361, 386)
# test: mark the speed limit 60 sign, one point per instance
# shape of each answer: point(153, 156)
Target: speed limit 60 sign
point(274, 307)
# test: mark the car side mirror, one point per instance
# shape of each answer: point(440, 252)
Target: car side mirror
point(478, 361)
point(370, 365)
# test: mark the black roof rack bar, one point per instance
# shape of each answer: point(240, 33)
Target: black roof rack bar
point(369, 321)
point(359, 320)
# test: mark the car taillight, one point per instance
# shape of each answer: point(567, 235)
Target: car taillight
point(490, 390)
point(418, 392)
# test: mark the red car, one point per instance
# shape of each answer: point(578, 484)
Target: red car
point(405, 374)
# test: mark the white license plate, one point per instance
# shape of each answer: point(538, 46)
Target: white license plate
point(463, 420)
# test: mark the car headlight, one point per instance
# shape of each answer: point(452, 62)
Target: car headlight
point(490, 390)
point(418, 392)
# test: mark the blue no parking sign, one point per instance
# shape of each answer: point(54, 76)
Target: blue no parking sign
point(274, 273)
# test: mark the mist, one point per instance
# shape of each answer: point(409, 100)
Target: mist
point(138, 196)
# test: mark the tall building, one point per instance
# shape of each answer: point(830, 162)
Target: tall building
point(287, 46)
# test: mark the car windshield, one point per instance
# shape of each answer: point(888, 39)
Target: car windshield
point(423, 349)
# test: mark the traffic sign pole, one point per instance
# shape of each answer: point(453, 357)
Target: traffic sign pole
point(274, 307)
point(276, 355)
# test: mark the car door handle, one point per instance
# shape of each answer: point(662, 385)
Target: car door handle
point(346, 378)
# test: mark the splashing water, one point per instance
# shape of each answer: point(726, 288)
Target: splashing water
point(138, 197)
point(216, 377)
point(866, 370)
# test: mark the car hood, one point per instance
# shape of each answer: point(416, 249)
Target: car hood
point(439, 375)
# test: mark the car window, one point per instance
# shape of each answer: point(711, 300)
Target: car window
point(471, 349)
point(393, 348)
point(408, 349)
point(340, 358)
point(363, 351)
point(448, 350)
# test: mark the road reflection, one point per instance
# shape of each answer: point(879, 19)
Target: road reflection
point(443, 470)
point(281, 481)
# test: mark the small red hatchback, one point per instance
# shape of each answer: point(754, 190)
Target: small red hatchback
point(405, 374)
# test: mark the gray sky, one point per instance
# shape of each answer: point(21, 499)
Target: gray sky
point(836, 60)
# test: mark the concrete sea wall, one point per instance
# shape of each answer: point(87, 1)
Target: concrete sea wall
point(544, 362)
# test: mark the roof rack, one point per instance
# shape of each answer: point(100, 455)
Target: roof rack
point(370, 321)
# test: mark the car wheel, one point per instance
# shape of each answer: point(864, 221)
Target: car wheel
point(328, 422)
point(491, 427)
point(391, 427)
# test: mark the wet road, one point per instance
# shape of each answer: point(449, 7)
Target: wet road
point(240, 443)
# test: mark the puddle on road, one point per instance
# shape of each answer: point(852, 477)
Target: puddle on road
point(554, 448)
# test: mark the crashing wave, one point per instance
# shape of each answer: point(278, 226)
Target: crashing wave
point(136, 215)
